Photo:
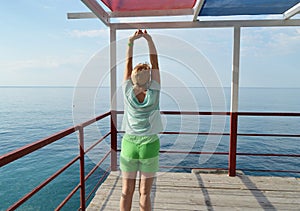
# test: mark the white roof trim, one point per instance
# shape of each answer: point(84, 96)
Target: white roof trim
point(291, 12)
point(97, 10)
point(207, 24)
point(197, 9)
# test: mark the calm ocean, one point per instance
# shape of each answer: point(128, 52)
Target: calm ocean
point(32, 113)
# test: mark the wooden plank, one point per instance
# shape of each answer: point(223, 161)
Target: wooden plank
point(193, 191)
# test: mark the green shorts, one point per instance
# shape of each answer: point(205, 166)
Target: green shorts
point(139, 153)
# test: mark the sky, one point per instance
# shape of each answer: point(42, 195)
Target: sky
point(41, 47)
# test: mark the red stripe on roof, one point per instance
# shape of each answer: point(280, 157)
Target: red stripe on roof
point(136, 5)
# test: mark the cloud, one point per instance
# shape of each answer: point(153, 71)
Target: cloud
point(48, 7)
point(88, 33)
point(41, 63)
point(270, 41)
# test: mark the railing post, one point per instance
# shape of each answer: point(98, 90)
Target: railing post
point(113, 143)
point(234, 101)
point(82, 173)
point(113, 99)
point(233, 143)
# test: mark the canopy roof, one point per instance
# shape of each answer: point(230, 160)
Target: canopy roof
point(106, 10)
point(245, 7)
point(136, 5)
point(206, 7)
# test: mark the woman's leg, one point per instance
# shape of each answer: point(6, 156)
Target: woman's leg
point(146, 181)
point(128, 186)
point(149, 165)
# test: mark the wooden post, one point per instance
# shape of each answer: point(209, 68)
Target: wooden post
point(113, 88)
point(234, 102)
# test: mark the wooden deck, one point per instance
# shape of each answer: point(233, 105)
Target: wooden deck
point(207, 191)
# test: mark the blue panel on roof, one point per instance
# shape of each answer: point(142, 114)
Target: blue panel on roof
point(245, 7)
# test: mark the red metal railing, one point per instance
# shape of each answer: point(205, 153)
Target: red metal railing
point(16, 154)
point(233, 133)
point(232, 153)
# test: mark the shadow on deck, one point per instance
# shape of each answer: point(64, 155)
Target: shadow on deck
point(206, 191)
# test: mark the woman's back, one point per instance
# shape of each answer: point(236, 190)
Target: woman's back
point(141, 116)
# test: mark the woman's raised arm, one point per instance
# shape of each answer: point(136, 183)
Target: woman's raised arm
point(155, 75)
point(129, 54)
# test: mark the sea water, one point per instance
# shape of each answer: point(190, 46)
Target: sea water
point(29, 114)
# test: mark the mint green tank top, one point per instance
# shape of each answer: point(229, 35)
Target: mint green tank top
point(141, 118)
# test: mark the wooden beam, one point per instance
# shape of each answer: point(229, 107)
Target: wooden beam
point(97, 10)
point(234, 101)
point(81, 15)
point(235, 70)
point(207, 24)
point(198, 8)
point(291, 12)
point(113, 99)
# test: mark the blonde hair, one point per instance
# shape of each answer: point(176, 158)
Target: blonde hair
point(140, 76)
point(142, 66)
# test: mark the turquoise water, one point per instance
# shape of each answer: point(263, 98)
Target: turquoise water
point(32, 113)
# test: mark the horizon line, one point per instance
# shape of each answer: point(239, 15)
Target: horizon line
point(62, 86)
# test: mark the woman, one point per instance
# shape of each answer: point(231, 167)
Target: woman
point(141, 123)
